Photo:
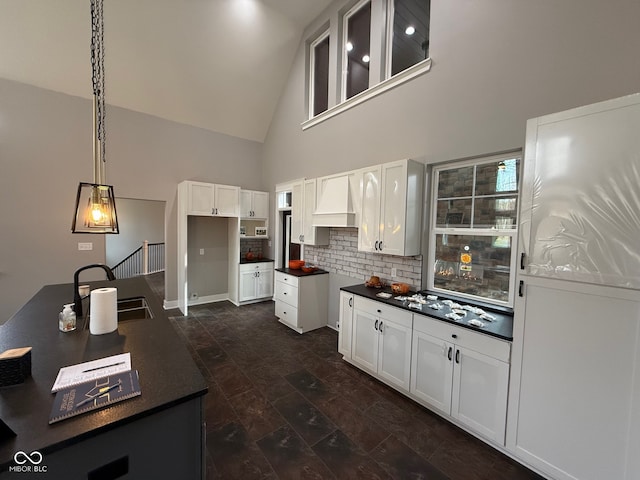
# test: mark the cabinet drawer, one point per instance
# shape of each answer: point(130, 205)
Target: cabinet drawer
point(493, 347)
point(288, 279)
point(379, 309)
point(287, 313)
point(287, 293)
point(254, 267)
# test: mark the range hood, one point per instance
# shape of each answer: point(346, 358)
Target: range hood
point(335, 207)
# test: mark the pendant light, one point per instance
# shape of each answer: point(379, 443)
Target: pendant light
point(95, 203)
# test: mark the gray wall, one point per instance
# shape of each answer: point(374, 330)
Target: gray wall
point(496, 64)
point(45, 150)
point(208, 273)
point(138, 220)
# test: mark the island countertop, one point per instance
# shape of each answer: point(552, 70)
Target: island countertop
point(168, 374)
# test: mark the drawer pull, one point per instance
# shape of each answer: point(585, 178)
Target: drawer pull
point(454, 335)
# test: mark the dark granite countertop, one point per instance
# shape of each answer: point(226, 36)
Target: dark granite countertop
point(502, 327)
point(295, 272)
point(255, 260)
point(168, 374)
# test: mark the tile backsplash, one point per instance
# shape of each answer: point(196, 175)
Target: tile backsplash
point(342, 256)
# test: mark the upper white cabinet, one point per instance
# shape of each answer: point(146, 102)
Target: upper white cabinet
point(303, 200)
point(463, 374)
point(210, 199)
point(381, 341)
point(391, 208)
point(254, 205)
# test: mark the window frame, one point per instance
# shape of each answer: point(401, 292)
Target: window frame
point(512, 233)
point(312, 70)
point(388, 54)
point(343, 52)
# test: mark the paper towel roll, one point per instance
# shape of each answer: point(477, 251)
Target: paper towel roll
point(104, 311)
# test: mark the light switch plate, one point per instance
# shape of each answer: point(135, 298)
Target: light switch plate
point(85, 245)
point(202, 251)
point(394, 272)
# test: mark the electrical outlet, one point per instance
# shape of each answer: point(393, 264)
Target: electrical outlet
point(194, 295)
point(85, 245)
point(202, 251)
point(394, 272)
point(315, 259)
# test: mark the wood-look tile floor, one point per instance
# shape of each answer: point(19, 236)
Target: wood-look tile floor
point(286, 406)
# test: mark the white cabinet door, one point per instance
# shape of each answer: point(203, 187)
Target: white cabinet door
point(394, 361)
point(393, 208)
point(226, 200)
point(432, 370)
point(200, 197)
point(346, 324)
point(247, 286)
point(364, 349)
point(309, 206)
point(297, 211)
point(254, 205)
point(246, 204)
point(260, 205)
point(369, 231)
point(479, 400)
point(264, 286)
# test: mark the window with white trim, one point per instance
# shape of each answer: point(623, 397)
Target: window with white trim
point(319, 65)
point(357, 49)
point(407, 34)
point(474, 228)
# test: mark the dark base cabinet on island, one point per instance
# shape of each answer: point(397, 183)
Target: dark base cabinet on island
point(158, 434)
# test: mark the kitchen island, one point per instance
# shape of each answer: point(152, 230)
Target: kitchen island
point(159, 434)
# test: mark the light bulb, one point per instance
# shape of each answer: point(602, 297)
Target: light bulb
point(349, 46)
point(410, 30)
point(366, 59)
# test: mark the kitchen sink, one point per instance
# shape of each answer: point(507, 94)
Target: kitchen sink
point(135, 308)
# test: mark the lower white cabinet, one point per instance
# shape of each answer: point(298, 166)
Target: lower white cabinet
point(450, 374)
point(381, 341)
point(302, 301)
point(256, 281)
point(345, 324)
point(458, 372)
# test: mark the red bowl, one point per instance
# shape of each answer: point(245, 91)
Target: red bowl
point(296, 264)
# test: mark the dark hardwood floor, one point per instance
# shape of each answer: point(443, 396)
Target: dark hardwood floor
point(286, 406)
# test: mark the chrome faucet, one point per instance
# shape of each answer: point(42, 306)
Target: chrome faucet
point(77, 298)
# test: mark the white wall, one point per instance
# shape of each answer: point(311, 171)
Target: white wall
point(45, 150)
point(138, 220)
point(496, 63)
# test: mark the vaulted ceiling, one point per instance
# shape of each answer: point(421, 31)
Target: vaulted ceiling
point(215, 64)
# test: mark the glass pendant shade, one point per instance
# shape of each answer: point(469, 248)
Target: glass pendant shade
point(95, 209)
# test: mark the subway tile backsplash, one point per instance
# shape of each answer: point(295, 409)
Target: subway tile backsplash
point(342, 256)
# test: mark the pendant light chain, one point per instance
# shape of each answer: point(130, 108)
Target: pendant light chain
point(98, 76)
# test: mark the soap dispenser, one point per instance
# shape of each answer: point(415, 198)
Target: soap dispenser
point(67, 319)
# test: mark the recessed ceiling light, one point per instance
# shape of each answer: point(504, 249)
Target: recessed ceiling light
point(349, 46)
point(410, 30)
point(366, 59)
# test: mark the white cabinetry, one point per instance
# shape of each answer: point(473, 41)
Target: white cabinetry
point(303, 204)
point(391, 215)
point(461, 373)
point(254, 205)
point(210, 199)
point(346, 324)
point(256, 281)
point(381, 341)
point(302, 302)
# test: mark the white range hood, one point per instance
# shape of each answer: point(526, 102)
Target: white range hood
point(335, 206)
